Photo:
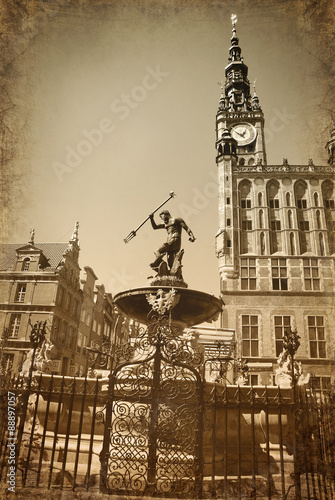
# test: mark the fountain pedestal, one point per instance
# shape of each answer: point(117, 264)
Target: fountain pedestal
point(192, 307)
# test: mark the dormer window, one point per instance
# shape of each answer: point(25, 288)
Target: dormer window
point(26, 264)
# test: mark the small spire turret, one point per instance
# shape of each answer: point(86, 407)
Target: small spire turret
point(330, 146)
point(74, 238)
point(32, 237)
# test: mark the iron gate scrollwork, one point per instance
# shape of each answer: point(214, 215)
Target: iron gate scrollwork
point(153, 435)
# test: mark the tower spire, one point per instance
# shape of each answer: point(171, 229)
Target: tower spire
point(237, 86)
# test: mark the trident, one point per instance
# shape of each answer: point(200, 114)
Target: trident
point(132, 234)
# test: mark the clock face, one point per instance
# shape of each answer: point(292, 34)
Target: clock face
point(243, 133)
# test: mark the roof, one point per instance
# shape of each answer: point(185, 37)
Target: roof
point(53, 252)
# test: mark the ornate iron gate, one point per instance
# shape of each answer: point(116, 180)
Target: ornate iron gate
point(153, 434)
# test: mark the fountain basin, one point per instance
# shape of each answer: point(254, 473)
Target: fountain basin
point(193, 308)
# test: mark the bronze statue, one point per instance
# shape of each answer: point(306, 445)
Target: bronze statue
point(171, 248)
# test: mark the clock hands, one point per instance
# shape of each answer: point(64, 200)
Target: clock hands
point(241, 135)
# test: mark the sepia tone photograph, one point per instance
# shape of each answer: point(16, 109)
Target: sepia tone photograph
point(167, 249)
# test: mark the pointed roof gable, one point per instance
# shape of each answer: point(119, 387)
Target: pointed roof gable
point(53, 252)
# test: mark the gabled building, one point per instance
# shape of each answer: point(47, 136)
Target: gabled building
point(275, 242)
point(38, 282)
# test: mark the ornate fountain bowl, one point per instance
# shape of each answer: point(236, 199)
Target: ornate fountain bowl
point(192, 308)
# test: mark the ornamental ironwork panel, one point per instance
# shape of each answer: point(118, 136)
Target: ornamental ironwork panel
point(152, 442)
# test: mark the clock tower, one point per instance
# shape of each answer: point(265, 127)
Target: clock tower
point(239, 112)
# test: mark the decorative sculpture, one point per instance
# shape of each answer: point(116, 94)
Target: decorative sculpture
point(289, 372)
point(171, 248)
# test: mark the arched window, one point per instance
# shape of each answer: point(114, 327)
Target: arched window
point(251, 161)
point(242, 161)
point(318, 219)
point(260, 199)
point(316, 199)
point(273, 194)
point(322, 247)
point(262, 244)
point(290, 219)
point(288, 199)
point(26, 264)
point(245, 193)
point(292, 245)
point(261, 219)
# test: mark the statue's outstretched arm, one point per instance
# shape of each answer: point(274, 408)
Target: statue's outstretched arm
point(187, 229)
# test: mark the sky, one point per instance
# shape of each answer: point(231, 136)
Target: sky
point(118, 102)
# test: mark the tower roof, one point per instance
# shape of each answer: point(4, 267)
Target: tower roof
point(237, 95)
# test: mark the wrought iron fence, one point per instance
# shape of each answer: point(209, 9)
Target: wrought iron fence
point(225, 442)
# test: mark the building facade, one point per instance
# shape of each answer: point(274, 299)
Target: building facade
point(40, 282)
point(275, 242)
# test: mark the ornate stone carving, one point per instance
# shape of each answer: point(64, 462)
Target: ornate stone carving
point(163, 301)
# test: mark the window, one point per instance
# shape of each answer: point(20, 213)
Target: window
point(60, 296)
point(14, 325)
point(25, 265)
point(80, 341)
point(228, 222)
point(330, 204)
point(99, 329)
point(321, 383)
point(88, 319)
point(311, 274)
point(228, 243)
point(302, 203)
point(20, 293)
point(249, 336)
point(245, 203)
point(317, 341)
point(247, 225)
point(279, 274)
point(274, 203)
point(9, 360)
point(281, 324)
point(67, 302)
point(304, 225)
point(248, 274)
point(94, 327)
point(55, 329)
point(252, 379)
point(83, 315)
point(228, 201)
point(74, 307)
point(275, 225)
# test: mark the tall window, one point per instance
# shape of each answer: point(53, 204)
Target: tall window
point(245, 203)
point(246, 225)
point(26, 264)
point(304, 225)
point(317, 340)
point(274, 203)
point(20, 292)
point(311, 274)
point(60, 296)
point(275, 225)
point(249, 336)
point(281, 324)
point(14, 325)
point(279, 274)
point(248, 274)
